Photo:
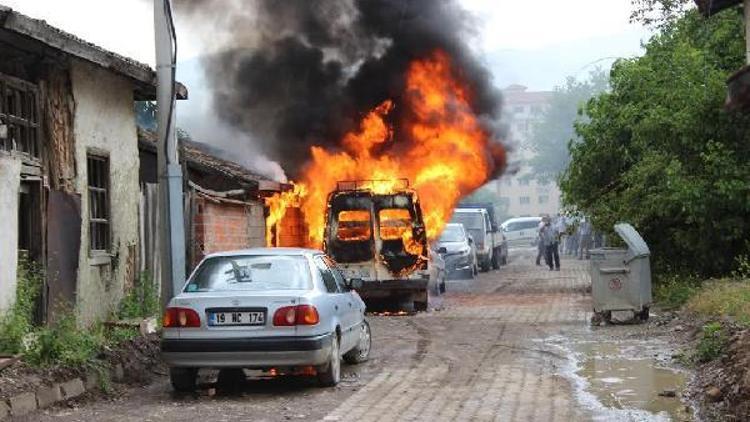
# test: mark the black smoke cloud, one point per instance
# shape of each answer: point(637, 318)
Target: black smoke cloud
point(301, 73)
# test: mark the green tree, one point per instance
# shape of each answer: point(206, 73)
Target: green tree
point(660, 151)
point(550, 136)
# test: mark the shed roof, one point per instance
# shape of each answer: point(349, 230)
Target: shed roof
point(198, 155)
point(38, 36)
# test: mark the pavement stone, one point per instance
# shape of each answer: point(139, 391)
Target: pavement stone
point(46, 396)
point(4, 410)
point(72, 388)
point(22, 404)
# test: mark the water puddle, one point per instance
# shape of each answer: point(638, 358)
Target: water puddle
point(628, 382)
point(625, 382)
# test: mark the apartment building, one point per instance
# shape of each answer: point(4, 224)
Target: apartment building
point(521, 194)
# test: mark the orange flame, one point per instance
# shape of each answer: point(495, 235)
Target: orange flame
point(277, 206)
point(447, 153)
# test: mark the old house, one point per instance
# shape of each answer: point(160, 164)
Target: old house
point(223, 207)
point(69, 165)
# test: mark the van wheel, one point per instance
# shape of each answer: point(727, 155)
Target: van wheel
point(329, 374)
point(362, 352)
point(183, 379)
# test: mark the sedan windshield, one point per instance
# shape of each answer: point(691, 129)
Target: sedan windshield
point(452, 234)
point(251, 273)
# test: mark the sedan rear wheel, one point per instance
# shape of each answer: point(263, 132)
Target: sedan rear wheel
point(231, 379)
point(183, 379)
point(362, 352)
point(330, 374)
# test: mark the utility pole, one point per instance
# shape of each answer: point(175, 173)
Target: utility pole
point(172, 235)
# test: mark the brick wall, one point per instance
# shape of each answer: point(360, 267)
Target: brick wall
point(224, 226)
point(293, 229)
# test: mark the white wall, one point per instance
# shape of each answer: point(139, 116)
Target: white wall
point(105, 121)
point(10, 179)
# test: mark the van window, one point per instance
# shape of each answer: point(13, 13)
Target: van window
point(470, 220)
point(394, 222)
point(354, 225)
point(522, 225)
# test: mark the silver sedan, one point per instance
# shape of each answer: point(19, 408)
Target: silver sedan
point(281, 309)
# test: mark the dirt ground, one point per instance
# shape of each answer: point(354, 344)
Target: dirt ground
point(514, 344)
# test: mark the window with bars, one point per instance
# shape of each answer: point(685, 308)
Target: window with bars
point(19, 113)
point(99, 213)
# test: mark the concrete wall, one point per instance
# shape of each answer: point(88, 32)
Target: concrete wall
point(224, 226)
point(10, 178)
point(105, 123)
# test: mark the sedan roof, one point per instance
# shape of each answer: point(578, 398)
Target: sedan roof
point(268, 251)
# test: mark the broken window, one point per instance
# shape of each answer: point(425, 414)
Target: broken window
point(394, 222)
point(354, 225)
point(19, 116)
point(98, 183)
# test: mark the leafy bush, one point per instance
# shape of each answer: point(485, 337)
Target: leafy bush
point(63, 343)
point(711, 344)
point(660, 151)
point(142, 301)
point(673, 291)
point(18, 322)
point(742, 267)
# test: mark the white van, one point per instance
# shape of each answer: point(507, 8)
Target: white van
point(490, 245)
point(521, 231)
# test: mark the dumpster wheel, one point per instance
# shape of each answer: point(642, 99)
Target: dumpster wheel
point(598, 317)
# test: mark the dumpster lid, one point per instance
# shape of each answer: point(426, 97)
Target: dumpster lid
point(635, 242)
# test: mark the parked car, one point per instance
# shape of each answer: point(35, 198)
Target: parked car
point(521, 231)
point(492, 250)
point(263, 308)
point(456, 247)
point(499, 243)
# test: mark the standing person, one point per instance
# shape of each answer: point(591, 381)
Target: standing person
point(584, 238)
point(571, 243)
point(540, 243)
point(551, 237)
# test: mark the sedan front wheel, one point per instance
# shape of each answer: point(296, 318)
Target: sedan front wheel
point(362, 352)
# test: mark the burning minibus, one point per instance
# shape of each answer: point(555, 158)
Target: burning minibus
point(374, 230)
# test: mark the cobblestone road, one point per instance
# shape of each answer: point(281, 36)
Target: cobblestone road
point(480, 356)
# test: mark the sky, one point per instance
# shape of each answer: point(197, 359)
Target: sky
point(534, 43)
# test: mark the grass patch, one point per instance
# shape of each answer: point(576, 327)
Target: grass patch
point(142, 301)
point(722, 299)
point(64, 342)
point(672, 291)
point(18, 321)
point(712, 343)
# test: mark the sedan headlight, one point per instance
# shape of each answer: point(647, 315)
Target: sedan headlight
point(465, 251)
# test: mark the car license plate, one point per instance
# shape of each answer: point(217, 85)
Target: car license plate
point(237, 318)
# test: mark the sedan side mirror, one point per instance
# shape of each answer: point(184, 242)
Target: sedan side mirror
point(471, 240)
point(442, 250)
point(355, 283)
